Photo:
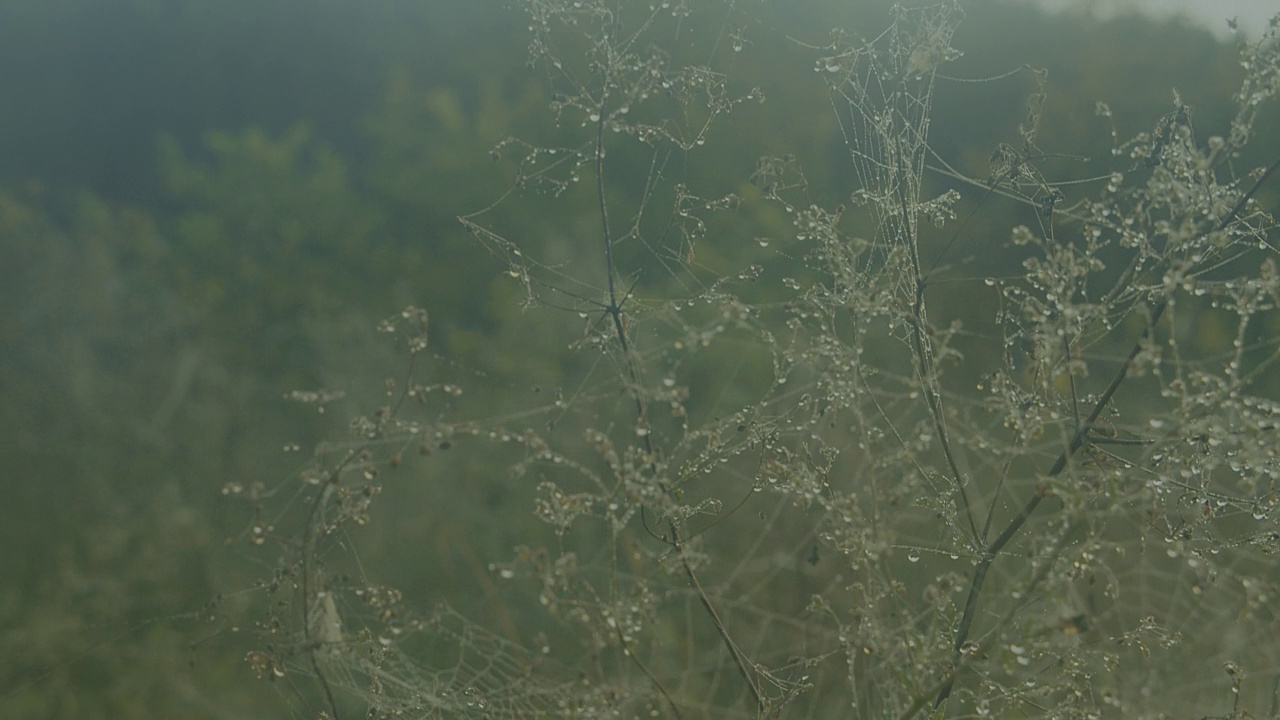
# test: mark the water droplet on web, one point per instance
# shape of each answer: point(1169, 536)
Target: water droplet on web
point(913, 556)
point(594, 117)
point(764, 242)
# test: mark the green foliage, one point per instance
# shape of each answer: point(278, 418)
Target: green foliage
point(105, 396)
point(263, 211)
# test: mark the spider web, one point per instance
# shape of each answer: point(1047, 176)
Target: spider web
point(746, 504)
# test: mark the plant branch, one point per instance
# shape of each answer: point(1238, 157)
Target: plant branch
point(633, 372)
point(922, 350)
point(1078, 440)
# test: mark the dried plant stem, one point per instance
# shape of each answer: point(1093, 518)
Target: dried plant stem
point(923, 353)
point(1078, 440)
point(633, 373)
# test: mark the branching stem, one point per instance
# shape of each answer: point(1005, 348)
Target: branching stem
point(675, 539)
point(1078, 440)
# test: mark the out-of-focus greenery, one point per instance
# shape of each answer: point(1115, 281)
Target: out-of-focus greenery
point(208, 204)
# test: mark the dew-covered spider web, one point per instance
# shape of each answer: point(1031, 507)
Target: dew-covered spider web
point(778, 455)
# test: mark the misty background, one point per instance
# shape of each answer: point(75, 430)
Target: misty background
point(206, 205)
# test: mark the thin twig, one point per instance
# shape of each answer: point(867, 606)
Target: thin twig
point(675, 540)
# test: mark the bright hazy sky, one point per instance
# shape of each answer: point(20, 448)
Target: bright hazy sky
point(1253, 15)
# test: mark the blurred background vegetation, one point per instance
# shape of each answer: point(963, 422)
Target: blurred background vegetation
point(206, 205)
